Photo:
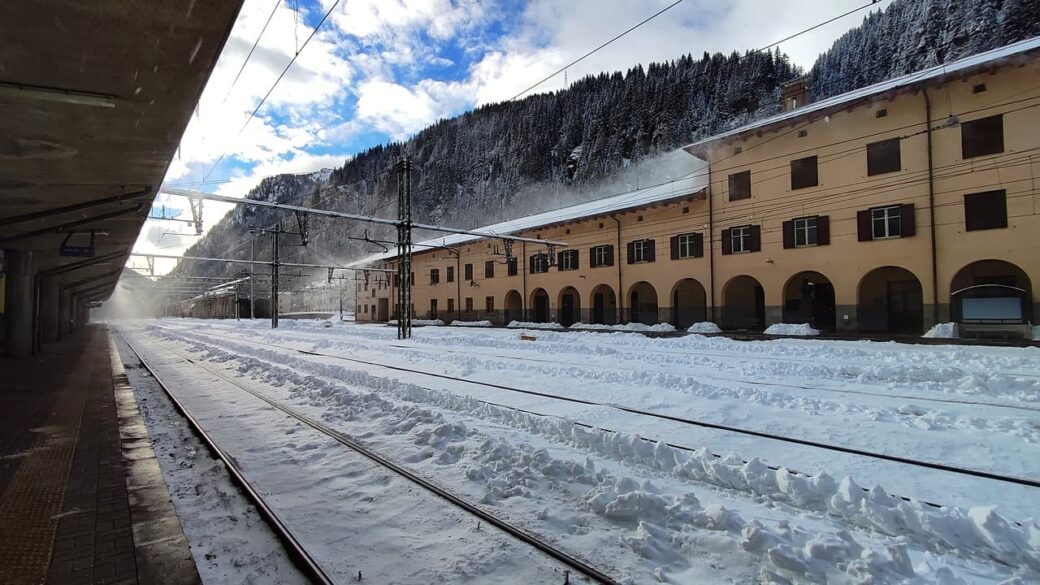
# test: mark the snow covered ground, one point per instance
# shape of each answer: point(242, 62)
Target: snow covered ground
point(715, 506)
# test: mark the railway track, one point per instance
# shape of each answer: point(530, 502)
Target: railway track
point(662, 416)
point(306, 562)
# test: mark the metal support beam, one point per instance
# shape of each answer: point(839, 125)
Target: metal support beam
point(77, 207)
point(68, 226)
point(260, 262)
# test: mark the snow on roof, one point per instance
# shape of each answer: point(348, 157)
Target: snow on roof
point(683, 187)
point(963, 65)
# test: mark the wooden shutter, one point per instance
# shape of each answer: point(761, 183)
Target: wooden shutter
point(531, 264)
point(789, 233)
point(559, 260)
point(698, 245)
point(823, 230)
point(863, 226)
point(610, 256)
point(727, 244)
point(756, 238)
point(907, 221)
point(651, 250)
point(673, 243)
point(631, 250)
point(469, 271)
point(576, 256)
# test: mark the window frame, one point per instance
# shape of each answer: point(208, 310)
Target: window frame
point(739, 186)
point(741, 234)
point(970, 131)
point(640, 249)
point(687, 243)
point(568, 260)
point(541, 263)
point(978, 199)
point(877, 157)
point(802, 227)
point(598, 256)
point(802, 165)
point(887, 219)
point(435, 276)
point(489, 304)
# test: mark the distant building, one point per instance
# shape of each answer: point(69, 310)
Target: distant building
point(886, 209)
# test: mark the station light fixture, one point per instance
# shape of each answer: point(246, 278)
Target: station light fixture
point(53, 94)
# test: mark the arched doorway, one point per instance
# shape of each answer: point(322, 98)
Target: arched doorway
point(642, 304)
point(890, 301)
point(743, 304)
point(689, 303)
point(809, 298)
point(604, 305)
point(991, 292)
point(539, 306)
point(514, 307)
point(569, 307)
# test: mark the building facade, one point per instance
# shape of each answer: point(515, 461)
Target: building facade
point(888, 209)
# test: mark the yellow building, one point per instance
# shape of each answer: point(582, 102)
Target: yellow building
point(886, 209)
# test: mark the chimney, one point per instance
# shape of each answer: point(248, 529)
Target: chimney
point(795, 93)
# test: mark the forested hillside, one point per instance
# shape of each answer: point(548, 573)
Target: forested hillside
point(599, 136)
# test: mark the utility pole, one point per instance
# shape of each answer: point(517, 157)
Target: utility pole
point(252, 258)
point(274, 279)
point(404, 248)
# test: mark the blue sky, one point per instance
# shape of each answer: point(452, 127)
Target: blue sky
point(381, 70)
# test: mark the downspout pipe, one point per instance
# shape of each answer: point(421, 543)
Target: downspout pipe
point(617, 260)
point(931, 207)
point(711, 247)
point(523, 298)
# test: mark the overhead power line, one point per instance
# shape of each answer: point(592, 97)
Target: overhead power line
point(274, 9)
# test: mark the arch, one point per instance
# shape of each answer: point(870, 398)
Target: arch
point(890, 300)
point(743, 303)
point(569, 306)
point(689, 303)
point(604, 305)
point(991, 291)
point(539, 306)
point(809, 298)
point(642, 303)
point(513, 307)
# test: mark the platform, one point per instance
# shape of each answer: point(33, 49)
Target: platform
point(82, 499)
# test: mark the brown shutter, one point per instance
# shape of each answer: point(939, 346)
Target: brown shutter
point(610, 256)
point(630, 248)
point(863, 225)
point(559, 260)
point(727, 244)
point(907, 221)
point(756, 238)
point(823, 230)
point(577, 259)
point(673, 242)
point(651, 247)
point(698, 245)
point(531, 262)
point(789, 233)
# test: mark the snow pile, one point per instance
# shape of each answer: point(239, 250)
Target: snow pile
point(796, 329)
point(943, 331)
point(472, 323)
point(530, 325)
point(704, 327)
point(640, 327)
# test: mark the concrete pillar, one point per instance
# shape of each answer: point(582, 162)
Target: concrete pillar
point(18, 303)
point(49, 318)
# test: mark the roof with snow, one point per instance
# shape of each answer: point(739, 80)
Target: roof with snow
point(962, 67)
point(692, 184)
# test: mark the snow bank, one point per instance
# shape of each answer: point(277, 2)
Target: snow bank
point(943, 331)
point(433, 322)
point(472, 324)
point(799, 329)
point(704, 327)
point(660, 327)
point(529, 325)
point(978, 532)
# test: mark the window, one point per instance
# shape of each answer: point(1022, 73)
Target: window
point(740, 186)
point(489, 304)
point(641, 251)
point(433, 308)
point(806, 231)
point(685, 209)
point(687, 246)
point(982, 137)
point(803, 133)
point(885, 222)
point(568, 260)
point(435, 276)
point(451, 274)
point(740, 239)
point(985, 211)
point(979, 88)
point(883, 157)
point(804, 173)
point(539, 263)
point(451, 306)
point(469, 304)
point(511, 269)
point(489, 269)
point(467, 271)
point(881, 113)
point(601, 256)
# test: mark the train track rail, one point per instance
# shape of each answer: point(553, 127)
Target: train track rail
point(308, 565)
point(663, 416)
